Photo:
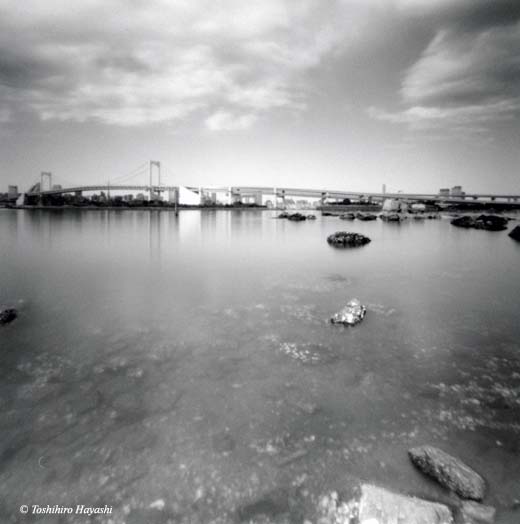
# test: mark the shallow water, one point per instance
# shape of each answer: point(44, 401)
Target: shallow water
point(190, 359)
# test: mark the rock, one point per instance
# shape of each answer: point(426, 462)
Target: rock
point(327, 214)
point(334, 511)
point(297, 217)
point(390, 217)
point(157, 504)
point(486, 222)
point(449, 471)
point(475, 513)
point(384, 507)
point(365, 216)
point(344, 239)
point(515, 233)
point(351, 314)
point(283, 214)
point(347, 216)
point(491, 223)
point(7, 316)
point(311, 217)
point(464, 221)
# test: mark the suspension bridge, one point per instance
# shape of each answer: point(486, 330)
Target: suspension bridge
point(43, 191)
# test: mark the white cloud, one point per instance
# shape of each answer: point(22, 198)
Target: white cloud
point(225, 121)
point(133, 63)
point(467, 81)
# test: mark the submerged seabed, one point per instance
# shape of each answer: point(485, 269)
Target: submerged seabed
point(184, 368)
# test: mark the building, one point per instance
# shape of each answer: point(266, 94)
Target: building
point(12, 192)
point(456, 191)
point(444, 192)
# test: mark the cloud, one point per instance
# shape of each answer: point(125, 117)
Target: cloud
point(225, 121)
point(5, 115)
point(139, 62)
point(468, 76)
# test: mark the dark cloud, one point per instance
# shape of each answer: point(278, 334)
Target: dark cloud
point(476, 15)
point(468, 76)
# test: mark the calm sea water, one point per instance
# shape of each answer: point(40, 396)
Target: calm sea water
point(189, 361)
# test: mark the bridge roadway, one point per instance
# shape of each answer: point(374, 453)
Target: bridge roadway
point(238, 191)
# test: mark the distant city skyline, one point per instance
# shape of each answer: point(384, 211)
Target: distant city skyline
point(350, 95)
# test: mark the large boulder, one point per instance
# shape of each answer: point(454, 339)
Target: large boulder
point(515, 233)
point(351, 314)
point(7, 315)
point(449, 471)
point(345, 239)
point(378, 505)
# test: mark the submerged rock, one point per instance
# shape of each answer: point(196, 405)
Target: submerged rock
point(486, 222)
point(475, 513)
point(378, 505)
point(515, 233)
point(344, 239)
point(351, 314)
point(448, 471)
point(270, 505)
point(7, 315)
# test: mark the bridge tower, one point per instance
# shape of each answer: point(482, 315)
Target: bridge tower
point(45, 175)
point(155, 163)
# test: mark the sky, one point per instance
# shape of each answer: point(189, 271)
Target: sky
point(336, 94)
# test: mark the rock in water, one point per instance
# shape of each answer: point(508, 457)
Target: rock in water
point(487, 222)
point(7, 316)
point(449, 471)
point(344, 239)
point(464, 221)
point(378, 505)
point(365, 217)
point(351, 314)
point(311, 217)
point(390, 217)
point(475, 513)
point(297, 217)
point(515, 233)
point(347, 216)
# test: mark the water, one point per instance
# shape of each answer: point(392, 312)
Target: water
point(190, 359)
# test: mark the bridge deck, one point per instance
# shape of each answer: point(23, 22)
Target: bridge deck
point(282, 191)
